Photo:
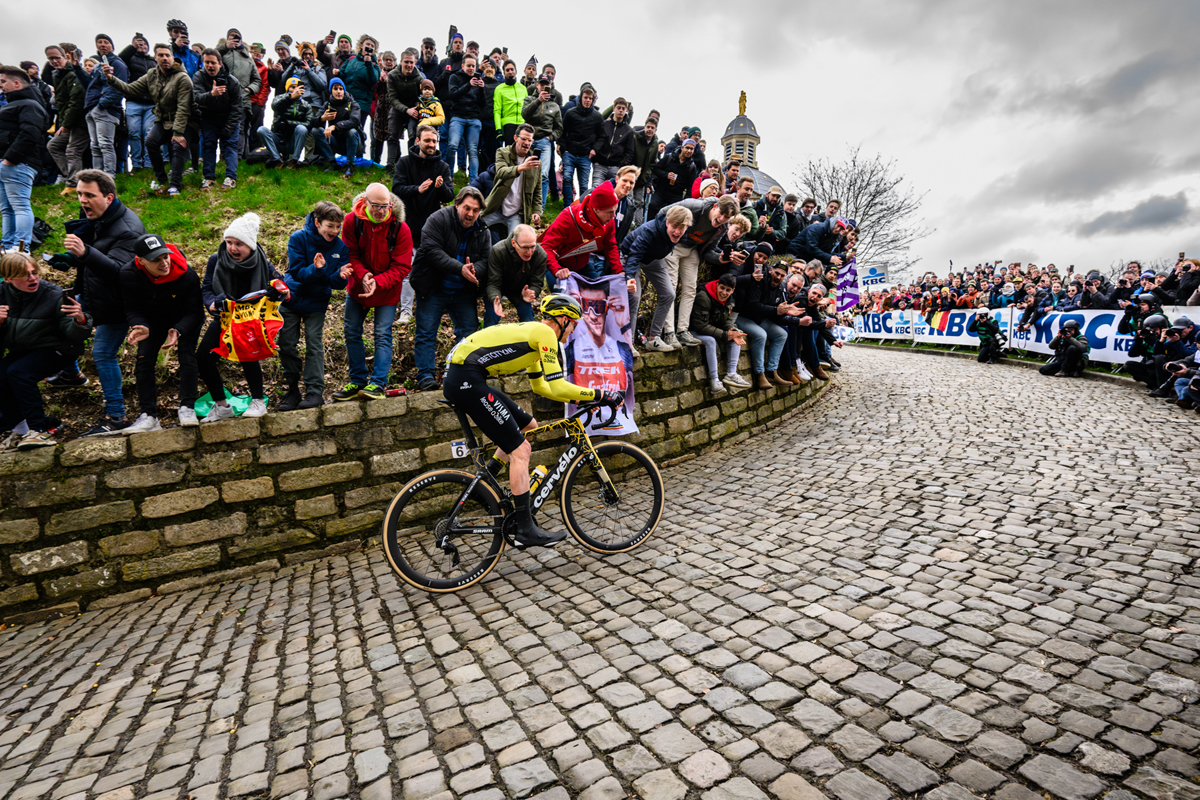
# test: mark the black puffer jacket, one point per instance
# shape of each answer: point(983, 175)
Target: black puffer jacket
point(36, 322)
point(23, 124)
point(466, 101)
point(437, 258)
point(411, 171)
point(110, 241)
point(139, 64)
point(581, 128)
point(215, 108)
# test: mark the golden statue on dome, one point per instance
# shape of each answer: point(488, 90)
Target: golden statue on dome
point(742, 103)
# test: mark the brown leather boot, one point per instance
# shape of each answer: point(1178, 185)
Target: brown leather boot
point(774, 378)
point(760, 381)
point(789, 374)
point(820, 373)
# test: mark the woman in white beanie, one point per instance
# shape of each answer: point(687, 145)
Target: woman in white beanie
point(237, 269)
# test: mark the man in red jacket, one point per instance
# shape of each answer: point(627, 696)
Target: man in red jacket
point(381, 255)
point(583, 228)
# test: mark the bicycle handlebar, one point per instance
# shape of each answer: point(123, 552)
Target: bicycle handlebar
point(588, 409)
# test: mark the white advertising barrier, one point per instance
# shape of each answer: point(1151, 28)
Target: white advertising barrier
point(950, 328)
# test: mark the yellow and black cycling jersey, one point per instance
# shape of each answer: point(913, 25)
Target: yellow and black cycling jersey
point(530, 346)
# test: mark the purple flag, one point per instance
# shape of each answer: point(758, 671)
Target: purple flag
point(847, 286)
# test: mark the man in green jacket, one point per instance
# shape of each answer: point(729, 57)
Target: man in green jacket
point(70, 140)
point(516, 195)
point(507, 103)
point(169, 86)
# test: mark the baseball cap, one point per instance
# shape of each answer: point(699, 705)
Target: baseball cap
point(150, 247)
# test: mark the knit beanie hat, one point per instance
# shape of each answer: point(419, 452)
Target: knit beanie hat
point(245, 229)
point(604, 197)
point(105, 36)
point(346, 37)
point(706, 183)
point(336, 82)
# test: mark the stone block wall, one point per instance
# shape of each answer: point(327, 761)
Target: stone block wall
point(102, 521)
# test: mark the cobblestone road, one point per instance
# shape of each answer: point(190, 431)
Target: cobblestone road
point(944, 580)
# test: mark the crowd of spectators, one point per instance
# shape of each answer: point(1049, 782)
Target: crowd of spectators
point(728, 268)
point(1163, 351)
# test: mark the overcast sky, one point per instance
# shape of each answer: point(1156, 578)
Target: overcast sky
point(1058, 132)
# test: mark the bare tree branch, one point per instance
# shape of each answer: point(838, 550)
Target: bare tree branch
point(873, 194)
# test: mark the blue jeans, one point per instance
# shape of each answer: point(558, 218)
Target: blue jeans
point(271, 142)
point(16, 184)
point(524, 313)
point(460, 128)
point(210, 134)
point(544, 148)
point(327, 147)
point(139, 117)
point(356, 315)
point(429, 312)
point(573, 164)
point(758, 335)
point(106, 349)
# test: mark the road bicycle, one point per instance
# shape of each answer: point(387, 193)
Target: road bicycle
point(446, 529)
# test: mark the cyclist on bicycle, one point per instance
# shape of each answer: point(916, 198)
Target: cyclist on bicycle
point(503, 350)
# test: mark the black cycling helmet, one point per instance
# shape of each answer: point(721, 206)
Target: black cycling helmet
point(172, 24)
point(1148, 298)
point(561, 305)
point(1071, 323)
point(1156, 321)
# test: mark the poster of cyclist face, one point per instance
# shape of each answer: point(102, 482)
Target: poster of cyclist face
point(599, 354)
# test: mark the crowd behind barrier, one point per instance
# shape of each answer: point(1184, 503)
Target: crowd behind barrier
point(647, 210)
point(1138, 321)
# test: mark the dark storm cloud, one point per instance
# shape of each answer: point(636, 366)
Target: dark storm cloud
point(1153, 213)
point(1077, 170)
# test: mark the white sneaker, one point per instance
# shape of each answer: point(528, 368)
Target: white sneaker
point(733, 379)
point(802, 371)
point(405, 317)
point(672, 341)
point(657, 344)
point(258, 408)
point(143, 424)
point(717, 388)
point(187, 417)
point(10, 442)
point(219, 413)
point(155, 186)
point(686, 338)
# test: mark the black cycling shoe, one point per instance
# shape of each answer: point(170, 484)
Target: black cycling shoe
point(525, 532)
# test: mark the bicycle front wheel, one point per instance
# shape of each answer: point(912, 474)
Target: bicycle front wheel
point(618, 515)
point(429, 552)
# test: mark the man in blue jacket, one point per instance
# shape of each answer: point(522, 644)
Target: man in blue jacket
point(318, 263)
point(646, 250)
point(103, 104)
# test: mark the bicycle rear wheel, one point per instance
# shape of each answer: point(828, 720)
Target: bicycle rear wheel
point(422, 546)
point(605, 520)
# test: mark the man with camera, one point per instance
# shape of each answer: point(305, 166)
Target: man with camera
point(1160, 344)
point(293, 116)
point(217, 95)
point(991, 338)
point(1181, 284)
point(1071, 348)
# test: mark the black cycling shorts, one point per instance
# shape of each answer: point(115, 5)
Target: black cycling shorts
point(497, 415)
